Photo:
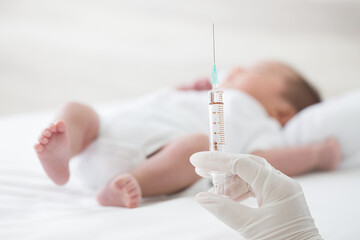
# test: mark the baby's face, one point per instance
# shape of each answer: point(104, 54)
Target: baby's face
point(265, 81)
point(269, 76)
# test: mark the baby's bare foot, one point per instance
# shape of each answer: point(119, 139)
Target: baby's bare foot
point(329, 155)
point(53, 150)
point(123, 191)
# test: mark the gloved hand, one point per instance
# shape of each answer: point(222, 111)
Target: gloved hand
point(282, 213)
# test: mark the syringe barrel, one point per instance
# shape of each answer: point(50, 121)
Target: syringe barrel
point(217, 135)
point(216, 120)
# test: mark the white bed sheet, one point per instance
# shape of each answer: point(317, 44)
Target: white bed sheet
point(32, 207)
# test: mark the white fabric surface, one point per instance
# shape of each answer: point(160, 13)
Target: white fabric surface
point(32, 207)
point(139, 127)
point(338, 117)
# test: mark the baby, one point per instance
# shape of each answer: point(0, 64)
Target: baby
point(154, 136)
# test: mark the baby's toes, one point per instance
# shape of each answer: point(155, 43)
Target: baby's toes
point(132, 189)
point(43, 140)
point(52, 128)
point(38, 147)
point(60, 126)
point(133, 192)
point(46, 133)
point(120, 183)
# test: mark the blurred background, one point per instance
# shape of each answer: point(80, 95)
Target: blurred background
point(99, 51)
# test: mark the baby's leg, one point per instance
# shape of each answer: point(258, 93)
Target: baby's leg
point(298, 160)
point(166, 172)
point(75, 127)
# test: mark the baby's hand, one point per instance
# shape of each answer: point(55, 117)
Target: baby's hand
point(199, 85)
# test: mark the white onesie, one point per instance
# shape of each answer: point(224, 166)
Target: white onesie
point(142, 126)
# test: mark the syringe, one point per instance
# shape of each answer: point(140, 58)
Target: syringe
point(217, 125)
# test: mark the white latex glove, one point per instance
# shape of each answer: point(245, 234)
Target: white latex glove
point(282, 213)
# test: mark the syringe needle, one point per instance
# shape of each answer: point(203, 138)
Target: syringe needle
point(214, 75)
point(214, 42)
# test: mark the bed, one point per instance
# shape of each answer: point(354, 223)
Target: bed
point(80, 47)
point(32, 207)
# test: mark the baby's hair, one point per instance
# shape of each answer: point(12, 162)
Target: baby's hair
point(300, 93)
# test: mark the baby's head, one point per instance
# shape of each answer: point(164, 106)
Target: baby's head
point(281, 90)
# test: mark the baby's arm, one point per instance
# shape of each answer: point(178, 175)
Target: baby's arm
point(294, 161)
point(201, 84)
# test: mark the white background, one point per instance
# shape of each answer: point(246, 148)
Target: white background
point(97, 51)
